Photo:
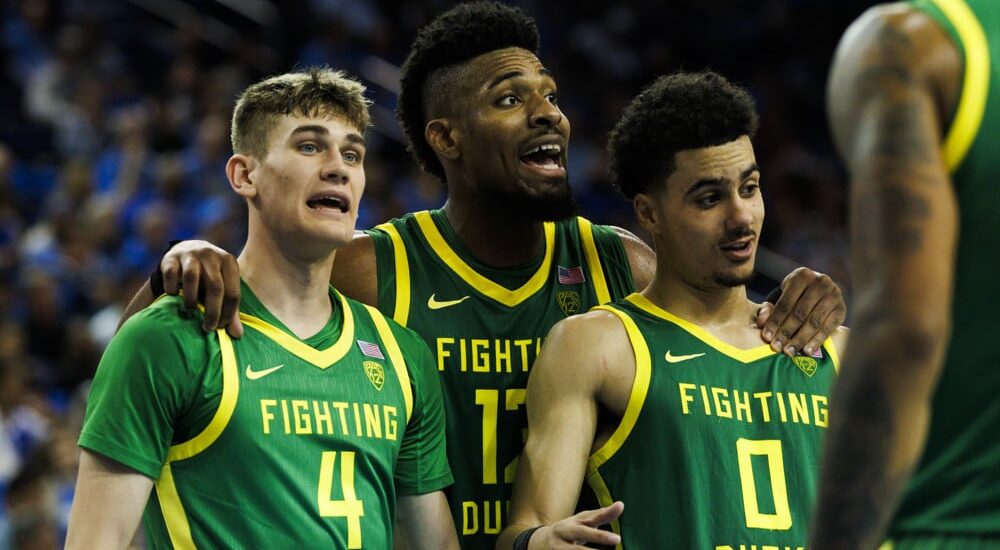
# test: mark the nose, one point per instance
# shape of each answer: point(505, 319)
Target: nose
point(334, 170)
point(545, 113)
point(741, 211)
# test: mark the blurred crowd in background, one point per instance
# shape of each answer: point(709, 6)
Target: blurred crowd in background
point(114, 133)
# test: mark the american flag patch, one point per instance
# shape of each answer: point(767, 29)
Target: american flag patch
point(570, 275)
point(818, 354)
point(370, 349)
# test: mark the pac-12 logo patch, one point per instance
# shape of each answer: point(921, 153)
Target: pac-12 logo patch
point(376, 374)
point(807, 365)
point(569, 301)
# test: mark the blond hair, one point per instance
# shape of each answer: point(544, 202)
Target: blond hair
point(312, 92)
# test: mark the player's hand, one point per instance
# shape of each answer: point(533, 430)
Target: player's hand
point(575, 531)
point(210, 273)
point(811, 307)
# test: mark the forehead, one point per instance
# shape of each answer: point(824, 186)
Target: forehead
point(333, 124)
point(483, 70)
point(724, 162)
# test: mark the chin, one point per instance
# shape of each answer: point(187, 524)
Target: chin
point(550, 205)
point(733, 279)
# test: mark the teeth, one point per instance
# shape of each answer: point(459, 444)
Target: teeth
point(547, 147)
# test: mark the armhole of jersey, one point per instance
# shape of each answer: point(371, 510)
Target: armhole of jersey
point(637, 397)
point(401, 309)
point(593, 260)
point(604, 498)
point(174, 515)
point(831, 350)
point(975, 82)
point(396, 356)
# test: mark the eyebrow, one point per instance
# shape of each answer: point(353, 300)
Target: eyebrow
point(514, 74)
point(711, 182)
point(352, 137)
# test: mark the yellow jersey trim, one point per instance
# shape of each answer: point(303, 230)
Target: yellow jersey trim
point(505, 296)
point(741, 355)
point(600, 488)
point(227, 404)
point(319, 358)
point(174, 517)
point(640, 387)
point(831, 350)
point(401, 312)
point(395, 356)
point(975, 82)
point(593, 260)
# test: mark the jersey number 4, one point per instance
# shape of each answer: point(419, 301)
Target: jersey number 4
point(746, 449)
point(349, 507)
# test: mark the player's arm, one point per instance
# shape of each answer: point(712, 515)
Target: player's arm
point(887, 117)
point(107, 504)
point(424, 522)
point(568, 381)
point(355, 271)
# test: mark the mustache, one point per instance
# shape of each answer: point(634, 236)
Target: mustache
point(737, 234)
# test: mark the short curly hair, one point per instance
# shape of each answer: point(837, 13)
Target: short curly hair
point(462, 33)
point(676, 112)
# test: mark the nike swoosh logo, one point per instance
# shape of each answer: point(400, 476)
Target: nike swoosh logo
point(434, 304)
point(679, 358)
point(256, 374)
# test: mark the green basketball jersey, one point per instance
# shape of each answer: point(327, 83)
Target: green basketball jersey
point(485, 327)
point(270, 441)
point(719, 447)
point(956, 488)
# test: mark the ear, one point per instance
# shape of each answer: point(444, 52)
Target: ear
point(240, 170)
point(647, 212)
point(442, 137)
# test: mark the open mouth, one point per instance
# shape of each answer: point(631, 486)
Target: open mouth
point(546, 157)
point(328, 202)
point(738, 250)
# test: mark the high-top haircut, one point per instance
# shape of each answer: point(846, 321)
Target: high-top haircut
point(675, 113)
point(462, 33)
point(316, 91)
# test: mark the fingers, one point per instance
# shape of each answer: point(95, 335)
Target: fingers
point(601, 516)
point(191, 278)
point(230, 313)
point(763, 314)
point(802, 316)
point(170, 266)
point(211, 284)
point(235, 326)
point(572, 533)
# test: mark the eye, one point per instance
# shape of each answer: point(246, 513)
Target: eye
point(750, 189)
point(352, 156)
point(708, 200)
point(553, 98)
point(308, 148)
point(508, 101)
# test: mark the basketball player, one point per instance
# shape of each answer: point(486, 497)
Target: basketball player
point(319, 427)
point(668, 400)
point(485, 278)
point(914, 443)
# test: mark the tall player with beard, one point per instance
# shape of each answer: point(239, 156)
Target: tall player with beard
point(484, 278)
point(668, 400)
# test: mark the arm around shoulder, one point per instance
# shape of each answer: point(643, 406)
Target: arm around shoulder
point(355, 270)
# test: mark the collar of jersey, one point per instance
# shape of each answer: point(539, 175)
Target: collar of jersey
point(318, 358)
point(741, 355)
point(486, 286)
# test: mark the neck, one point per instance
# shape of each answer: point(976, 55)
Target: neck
point(293, 289)
point(495, 238)
point(725, 312)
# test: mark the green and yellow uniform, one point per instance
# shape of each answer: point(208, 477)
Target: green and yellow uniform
point(955, 490)
point(270, 441)
point(485, 327)
point(719, 447)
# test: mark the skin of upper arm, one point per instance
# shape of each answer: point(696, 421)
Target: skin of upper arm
point(885, 104)
point(424, 522)
point(641, 258)
point(564, 392)
point(107, 504)
point(355, 271)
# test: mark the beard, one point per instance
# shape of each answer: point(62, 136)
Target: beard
point(555, 205)
point(732, 280)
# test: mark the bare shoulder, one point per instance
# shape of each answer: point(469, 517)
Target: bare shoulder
point(585, 345)
point(355, 271)
point(641, 258)
point(840, 338)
